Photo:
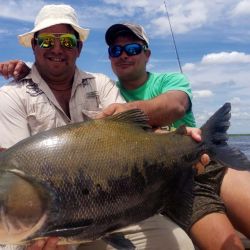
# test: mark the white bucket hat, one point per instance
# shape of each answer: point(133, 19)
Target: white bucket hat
point(51, 15)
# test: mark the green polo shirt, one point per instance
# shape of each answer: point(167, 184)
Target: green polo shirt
point(157, 84)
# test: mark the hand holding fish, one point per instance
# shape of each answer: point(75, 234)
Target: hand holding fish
point(49, 244)
point(2, 149)
point(116, 108)
point(195, 133)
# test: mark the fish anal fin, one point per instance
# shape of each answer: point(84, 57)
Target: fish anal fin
point(232, 157)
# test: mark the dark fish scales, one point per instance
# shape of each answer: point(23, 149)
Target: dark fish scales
point(82, 181)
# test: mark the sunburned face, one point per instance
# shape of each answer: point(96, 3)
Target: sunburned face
point(129, 68)
point(56, 63)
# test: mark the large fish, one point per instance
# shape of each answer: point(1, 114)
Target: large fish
point(82, 181)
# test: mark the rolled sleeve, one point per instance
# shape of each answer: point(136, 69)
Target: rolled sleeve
point(13, 122)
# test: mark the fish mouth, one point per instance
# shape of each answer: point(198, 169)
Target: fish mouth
point(22, 209)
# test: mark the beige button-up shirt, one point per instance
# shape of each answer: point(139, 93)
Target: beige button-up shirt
point(29, 106)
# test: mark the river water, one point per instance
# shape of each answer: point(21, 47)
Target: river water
point(241, 142)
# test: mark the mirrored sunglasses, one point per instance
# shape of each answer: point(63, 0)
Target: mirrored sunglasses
point(47, 40)
point(131, 49)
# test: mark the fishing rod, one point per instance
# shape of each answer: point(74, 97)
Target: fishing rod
point(172, 34)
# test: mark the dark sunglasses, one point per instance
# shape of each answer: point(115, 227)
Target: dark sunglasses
point(47, 40)
point(131, 49)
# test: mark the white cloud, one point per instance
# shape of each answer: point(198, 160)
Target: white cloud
point(189, 66)
point(15, 9)
point(224, 68)
point(185, 15)
point(218, 78)
point(202, 93)
point(236, 100)
point(131, 3)
point(226, 58)
point(242, 8)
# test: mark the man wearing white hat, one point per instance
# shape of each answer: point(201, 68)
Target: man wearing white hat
point(55, 92)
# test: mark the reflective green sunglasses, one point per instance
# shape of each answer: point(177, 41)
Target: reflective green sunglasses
point(47, 40)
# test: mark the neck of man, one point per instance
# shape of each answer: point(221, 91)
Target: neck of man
point(59, 84)
point(57, 81)
point(64, 86)
point(134, 83)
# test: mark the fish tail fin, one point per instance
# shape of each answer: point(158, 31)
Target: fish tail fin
point(214, 133)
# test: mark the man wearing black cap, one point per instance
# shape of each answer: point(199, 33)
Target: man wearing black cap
point(129, 53)
point(169, 103)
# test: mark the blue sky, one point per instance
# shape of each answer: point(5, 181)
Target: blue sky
point(212, 38)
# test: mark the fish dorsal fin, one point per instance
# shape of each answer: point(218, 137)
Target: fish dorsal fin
point(181, 130)
point(135, 116)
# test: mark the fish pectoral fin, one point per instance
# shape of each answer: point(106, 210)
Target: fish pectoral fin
point(118, 241)
point(67, 231)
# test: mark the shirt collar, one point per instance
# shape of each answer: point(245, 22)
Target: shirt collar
point(35, 76)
